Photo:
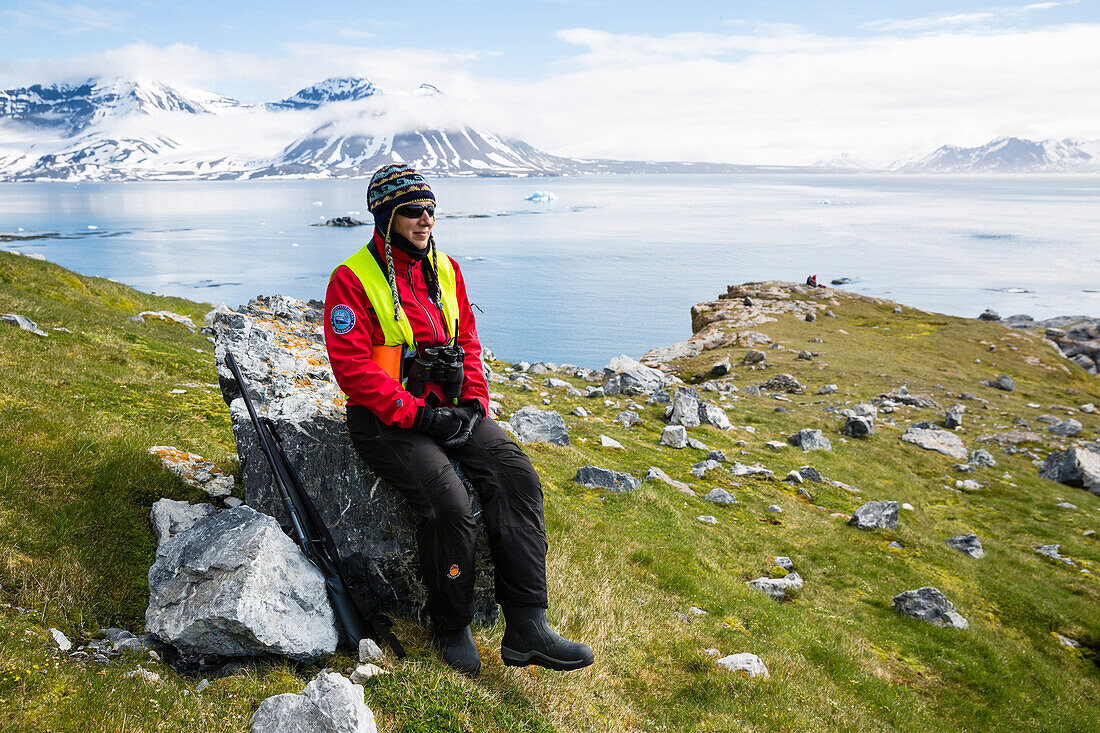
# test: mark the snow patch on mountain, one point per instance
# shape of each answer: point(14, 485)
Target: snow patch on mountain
point(1010, 155)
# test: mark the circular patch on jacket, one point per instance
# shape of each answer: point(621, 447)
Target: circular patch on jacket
point(343, 319)
point(454, 572)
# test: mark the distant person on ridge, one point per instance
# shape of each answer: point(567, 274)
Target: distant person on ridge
point(404, 348)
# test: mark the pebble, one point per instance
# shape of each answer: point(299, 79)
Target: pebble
point(774, 509)
point(62, 641)
point(202, 685)
point(364, 672)
point(706, 519)
point(776, 444)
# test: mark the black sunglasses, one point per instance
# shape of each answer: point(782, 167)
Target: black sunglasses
point(415, 211)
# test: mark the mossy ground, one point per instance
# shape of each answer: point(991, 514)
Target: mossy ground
point(79, 409)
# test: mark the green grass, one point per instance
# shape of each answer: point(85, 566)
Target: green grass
point(79, 409)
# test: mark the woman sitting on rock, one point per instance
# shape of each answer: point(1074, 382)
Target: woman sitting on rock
point(404, 348)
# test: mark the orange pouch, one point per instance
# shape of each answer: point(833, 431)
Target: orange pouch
point(389, 358)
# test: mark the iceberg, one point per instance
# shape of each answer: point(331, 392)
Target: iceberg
point(542, 196)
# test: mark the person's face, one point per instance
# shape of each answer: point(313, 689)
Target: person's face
point(415, 229)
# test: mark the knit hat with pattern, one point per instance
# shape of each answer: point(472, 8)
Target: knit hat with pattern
point(392, 186)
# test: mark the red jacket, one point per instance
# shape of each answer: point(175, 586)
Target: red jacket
point(361, 379)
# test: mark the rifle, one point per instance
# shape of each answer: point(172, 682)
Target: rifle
point(313, 536)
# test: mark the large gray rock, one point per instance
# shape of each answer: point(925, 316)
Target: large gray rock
point(783, 383)
point(712, 414)
point(778, 588)
point(876, 514)
point(1004, 383)
point(981, 457)
point(930, 605)
point(720, 496)
point(279, 344)
point(968, 543)
point(1074, 467)
point(953, 417)
point(808, 439)
point(170, 518)
point(624, 375)
point(236, 585)
point(533, 425)
point(902, 395)
point(330, 703)
point(941, 441)
point(594, 477)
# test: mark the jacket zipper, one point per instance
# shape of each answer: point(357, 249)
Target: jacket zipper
point(427, 314)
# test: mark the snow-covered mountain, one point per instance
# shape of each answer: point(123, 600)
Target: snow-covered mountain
point(1010, 155)
point(341, 89)
point(138, 129)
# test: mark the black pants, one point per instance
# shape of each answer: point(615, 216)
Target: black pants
point(446, 534)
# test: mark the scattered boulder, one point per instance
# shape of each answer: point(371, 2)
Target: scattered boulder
point(902, 396)
point(628, 418)
point(674, 436)
point(827, 389)
point(778, 588)
point(1074, 467)
point(369, 651)
point(1004, 383)
point(170, 518)
point(714, 415)
point(594, 477)
point(716, 455)
point(810, 474)
point(967, 543)
point(579, 412)
point(746, 664)
point(236, 585)
point(754, 356)
point(808, 439)
point(968, 485)
point(607, 442)
point(533, 425)
point(555, 383)
point(1051, 551)
point(194, 470)
point(330, 703)
point(876, 514)
point(23, 322)
point(783, 383)
point(659, 475)
point(700, 469)
point(624, 375)
point(981, 457)
point(953, 418)
point(941, 441)
point(989, 315)
point(741, 469)
point(720, 496)
point(930, 605)
point(685, 407)
point(774, 509)
point(343, 221)
point(722, 368)
point(856, 426)
point(1066, 428)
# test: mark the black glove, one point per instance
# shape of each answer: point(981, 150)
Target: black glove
point(451, 428)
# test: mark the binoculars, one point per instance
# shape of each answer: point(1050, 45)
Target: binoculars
point(440, 365)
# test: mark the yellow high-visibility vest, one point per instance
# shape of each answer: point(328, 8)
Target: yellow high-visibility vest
point(377, 287)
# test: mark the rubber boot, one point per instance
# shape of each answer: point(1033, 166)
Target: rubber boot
point(528, 639)
point(459, 651)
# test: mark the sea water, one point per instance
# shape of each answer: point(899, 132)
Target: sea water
point(613, 264)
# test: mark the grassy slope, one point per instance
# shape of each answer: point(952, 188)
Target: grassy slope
point(78, 410)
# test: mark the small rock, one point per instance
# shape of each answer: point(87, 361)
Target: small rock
point(967, 543)
point(579, 412)
point(827, 389)
point(940, 441)
point(778, 588)
point(930, 605)
point(754, 357)
point(61, 640)
point(364, 672)
point(144, 675)
point(658, 474)
point(700, 469)
point(876, 514)
point(858, 427)
point(774, 509)
point(808, 439)
point(968, 485)
point(607, 442)
point(953, 417)
point(794, 477)
point(23, 322)
point(1067, 428)
point(697, 444)
point(745, 664)
point(781, 561)
point(706, 519)
point(594, 477)
point(1004, 383)
point(628, 418)
point(895, 545)
point(720, 496)
point(722, 368)
point(674, 436)
point(716, 455)
point(233, 502)
point(981, 457)
point(1051, 551)
point(369, 651)
point(534, 425)
point(776, 444)
point(136, 319)
point(783, 383)
point(1066, 505)
point(201, 687)
point(989, 315)
point(907, 507)
point(1088, 407)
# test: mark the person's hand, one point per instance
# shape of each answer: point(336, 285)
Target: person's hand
point(450, 427)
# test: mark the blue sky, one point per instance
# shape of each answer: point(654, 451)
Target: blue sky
point(745, 82)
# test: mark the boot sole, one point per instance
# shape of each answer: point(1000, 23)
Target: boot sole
point(512, 658)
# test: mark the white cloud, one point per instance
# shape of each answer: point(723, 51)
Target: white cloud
point(65, 19)
point(957, 20)
point(777, 95)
